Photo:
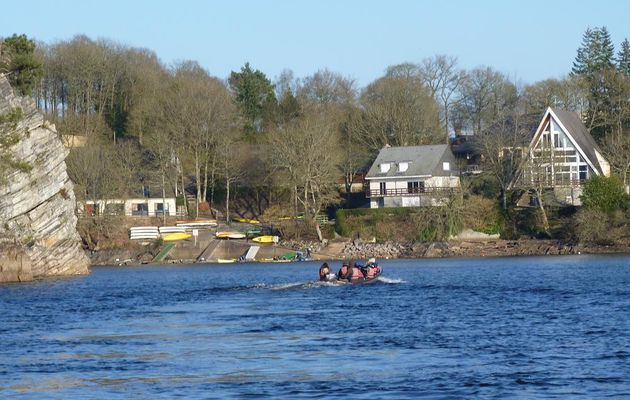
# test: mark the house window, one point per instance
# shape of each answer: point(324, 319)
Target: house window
point(402, 167)
point(139, 209)
point(415, 187)
point(159, 209)
point(384, 167)
point(446, 166)
point(382, 189)
point(556, 140)
point(583, 172)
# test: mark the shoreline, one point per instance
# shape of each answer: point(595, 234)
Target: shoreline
point(358, 250)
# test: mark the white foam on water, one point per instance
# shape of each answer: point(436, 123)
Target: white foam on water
point(390, 280)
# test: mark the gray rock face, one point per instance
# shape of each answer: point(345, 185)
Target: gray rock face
point(37, 207)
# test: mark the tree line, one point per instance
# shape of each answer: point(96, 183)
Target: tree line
point(285, 143)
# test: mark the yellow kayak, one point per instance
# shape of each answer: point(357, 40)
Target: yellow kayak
point(265, 239)
point(169, 237)
point(247, 221)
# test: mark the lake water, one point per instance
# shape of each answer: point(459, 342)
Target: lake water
point(522, 327)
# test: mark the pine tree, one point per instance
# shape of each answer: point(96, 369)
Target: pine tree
point(595, 54)
point(623, 57)
point(18, 61)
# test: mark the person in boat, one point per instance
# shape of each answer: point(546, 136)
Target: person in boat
point(356, 274)
point(371, 269)
point(344, 271)
point(325, 274)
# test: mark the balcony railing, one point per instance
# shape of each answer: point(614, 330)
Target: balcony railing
point(426, 191)
point(549, 183)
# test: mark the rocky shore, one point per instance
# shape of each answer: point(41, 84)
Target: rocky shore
point(361, 250)
point(456, 248)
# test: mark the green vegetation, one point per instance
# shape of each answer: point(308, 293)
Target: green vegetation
point(605, 194)
point(282, 148)
point(9, 136)
point(19, 62)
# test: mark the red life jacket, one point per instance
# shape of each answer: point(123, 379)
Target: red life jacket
point(372, 271)
point(357, 274)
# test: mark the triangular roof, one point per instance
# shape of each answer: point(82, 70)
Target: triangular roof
point(576, 131)
point(424, 161)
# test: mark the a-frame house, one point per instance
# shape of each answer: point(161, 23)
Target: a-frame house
point(560, 157)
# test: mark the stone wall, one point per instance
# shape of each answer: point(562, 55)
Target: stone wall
point(37, 207)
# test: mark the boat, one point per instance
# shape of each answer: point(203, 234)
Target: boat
point(172, 229)
point(173, 236)
point(226, 260)
point(229, 235)
point(332, 278)
point(197, 224)
point(253, 232)
point(247, 221)
point(266, 239)
point(364, 281)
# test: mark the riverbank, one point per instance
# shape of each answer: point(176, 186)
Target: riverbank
point(357, 249)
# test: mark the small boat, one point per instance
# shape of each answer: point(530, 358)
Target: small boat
point(247, 221)
point(266, 239)
point(197, 224)
point(230, 235)
point(173, 236)
point(226, 260)
point(332, 278)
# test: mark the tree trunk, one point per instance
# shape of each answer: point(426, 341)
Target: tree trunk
point(198, 185)
point(227, 200)
point(543, 212)
point(164, 197)
point(212, 179)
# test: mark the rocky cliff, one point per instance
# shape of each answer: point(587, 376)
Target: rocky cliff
point(38, 236)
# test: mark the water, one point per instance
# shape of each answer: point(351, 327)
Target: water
point(523, 327)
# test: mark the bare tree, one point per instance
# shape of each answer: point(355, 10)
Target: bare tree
point(502, 147)
point(398, 111)
point(486, 95)
point(441, 75)
point(304, 157)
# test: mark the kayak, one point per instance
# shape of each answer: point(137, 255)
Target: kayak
point(266, 239)
point(247, 221)
point(230, 235)
point(169, 237)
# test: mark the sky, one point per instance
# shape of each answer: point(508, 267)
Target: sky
point(528, 40)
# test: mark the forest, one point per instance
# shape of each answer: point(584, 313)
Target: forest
point(269, 147)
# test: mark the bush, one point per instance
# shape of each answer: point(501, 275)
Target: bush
point(593, 226)
point(604, 194)
point(341, 227)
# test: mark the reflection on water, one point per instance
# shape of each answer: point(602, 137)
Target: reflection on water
point(463, 328)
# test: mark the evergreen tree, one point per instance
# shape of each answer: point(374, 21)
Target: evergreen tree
point(596, 52)
point(255, 97)
point(623, 57)
point(594, 65)
point(18, 61)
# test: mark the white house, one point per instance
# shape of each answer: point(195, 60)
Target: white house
point(131, 207)
point(560, 156)
point(412, 176)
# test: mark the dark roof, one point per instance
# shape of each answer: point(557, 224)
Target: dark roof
point(423, 161)
point(580, 134)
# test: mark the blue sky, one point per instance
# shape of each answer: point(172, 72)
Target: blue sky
point(527, 40)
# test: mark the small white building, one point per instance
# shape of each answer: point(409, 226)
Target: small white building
point(412, 176)
point(140, 207)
